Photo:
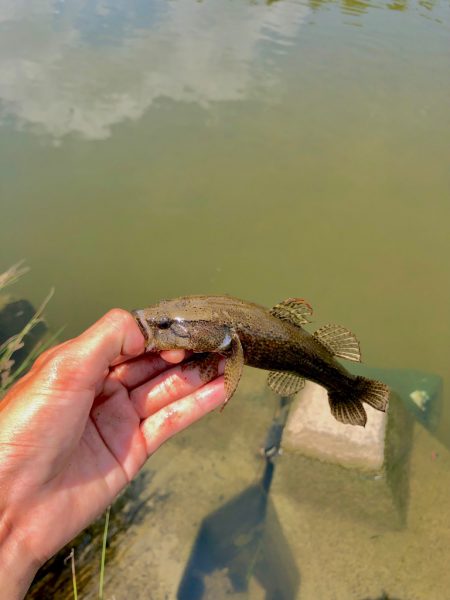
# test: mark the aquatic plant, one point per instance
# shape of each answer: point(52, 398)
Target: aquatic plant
point(9, 374)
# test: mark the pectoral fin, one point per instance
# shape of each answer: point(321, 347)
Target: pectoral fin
point(285, 383)
point(207, 365)
point(233, 367)
point(294, 310)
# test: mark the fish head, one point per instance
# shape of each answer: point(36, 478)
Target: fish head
point(182, 324)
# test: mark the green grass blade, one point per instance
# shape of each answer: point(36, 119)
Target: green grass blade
point(102, 562)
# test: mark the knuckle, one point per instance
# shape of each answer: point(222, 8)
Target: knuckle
point(58, 362)
point(61, 366)
point(172, 386)
point(172, 417)
point(43, 357)
point(46, 355)
point(117, 317)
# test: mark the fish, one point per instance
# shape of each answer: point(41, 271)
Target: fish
point(273, 339)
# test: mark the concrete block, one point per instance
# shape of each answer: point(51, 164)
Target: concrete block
point(313, 431)
point(361, 473)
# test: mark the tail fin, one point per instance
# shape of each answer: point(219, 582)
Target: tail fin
point(347, 406)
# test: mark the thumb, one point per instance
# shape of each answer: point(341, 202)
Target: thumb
point(82, 362)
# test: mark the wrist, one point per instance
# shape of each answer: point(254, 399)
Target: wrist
point(17, 566)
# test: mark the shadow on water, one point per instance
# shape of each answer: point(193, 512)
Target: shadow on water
point(243, 539)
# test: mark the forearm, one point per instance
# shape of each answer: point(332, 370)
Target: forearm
point(17, 567)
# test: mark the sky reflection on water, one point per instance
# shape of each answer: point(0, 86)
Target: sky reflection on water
point(86, 68)
point(83, 67)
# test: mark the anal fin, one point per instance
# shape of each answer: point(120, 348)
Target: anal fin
point(285, 383)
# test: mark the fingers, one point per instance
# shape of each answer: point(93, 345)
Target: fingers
point(170, 386)
point(135, 372)
point(173, 356)
point(178, 415)
point(176, 397)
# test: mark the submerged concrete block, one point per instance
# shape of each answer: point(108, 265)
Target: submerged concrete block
point(361, 472)
point(312, 430)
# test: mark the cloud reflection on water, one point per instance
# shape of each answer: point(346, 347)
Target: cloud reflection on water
point(60, 75)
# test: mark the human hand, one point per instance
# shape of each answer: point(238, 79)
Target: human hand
point(77, 428)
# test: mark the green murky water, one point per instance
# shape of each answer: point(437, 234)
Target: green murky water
point(151, 149)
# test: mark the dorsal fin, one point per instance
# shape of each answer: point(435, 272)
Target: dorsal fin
point(339, 341)
point(294, 310)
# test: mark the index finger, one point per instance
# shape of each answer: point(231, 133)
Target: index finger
point(173, 356)
point(133, 372)
point(178, 415)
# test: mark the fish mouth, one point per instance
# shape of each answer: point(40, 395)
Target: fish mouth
point(146, 332)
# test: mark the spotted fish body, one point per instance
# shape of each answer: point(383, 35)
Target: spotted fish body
point(275, 340)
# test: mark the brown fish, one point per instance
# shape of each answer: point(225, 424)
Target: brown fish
point(246, 333)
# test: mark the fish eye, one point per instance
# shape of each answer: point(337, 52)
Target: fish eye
point(164, 323)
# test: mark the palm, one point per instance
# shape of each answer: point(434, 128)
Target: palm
point(109, 453)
